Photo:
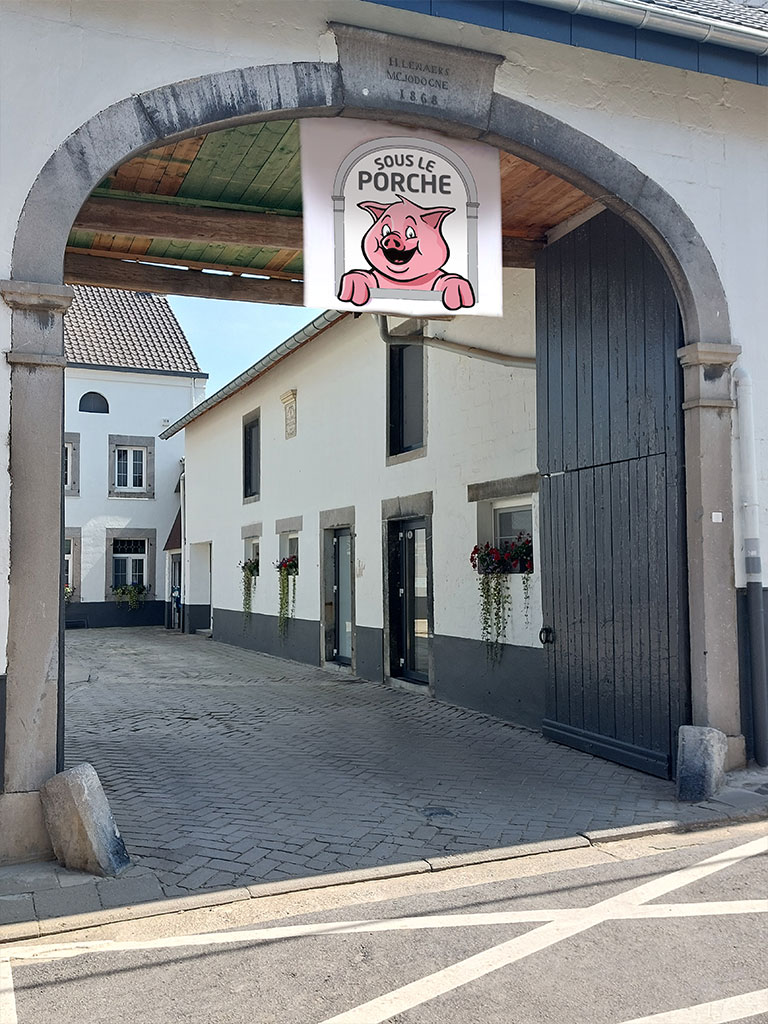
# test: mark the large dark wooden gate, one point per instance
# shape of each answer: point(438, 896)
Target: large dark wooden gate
point(610, 453)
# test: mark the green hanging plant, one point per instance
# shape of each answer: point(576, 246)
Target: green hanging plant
point(287, 571)
point(131, 593)
point(250, 570)
point(494, 566)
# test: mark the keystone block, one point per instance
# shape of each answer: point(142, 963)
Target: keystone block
point(83, 832)
point(701, 753)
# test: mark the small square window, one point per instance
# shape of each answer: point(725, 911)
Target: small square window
point(289, 546)
point(513, 527)
point(252, 556)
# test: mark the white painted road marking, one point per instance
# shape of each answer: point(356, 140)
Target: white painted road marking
point(559, 924)
point(387, 924)
point(721, 1011)
point(400, 1000)
point(7, 998)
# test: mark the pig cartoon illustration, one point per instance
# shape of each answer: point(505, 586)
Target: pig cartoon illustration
point(406, 249)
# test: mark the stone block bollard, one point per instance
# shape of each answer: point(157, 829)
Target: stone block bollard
point(701, 755)
point(82, 830)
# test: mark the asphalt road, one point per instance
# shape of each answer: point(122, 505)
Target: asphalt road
point(606, 937)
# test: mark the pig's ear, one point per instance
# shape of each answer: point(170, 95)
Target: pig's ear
point(434, 218)
point(375, 209)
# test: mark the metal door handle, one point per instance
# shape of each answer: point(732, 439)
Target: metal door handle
point(546, 635)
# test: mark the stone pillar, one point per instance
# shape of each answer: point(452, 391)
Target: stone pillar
point(708, 409)
point(34, 633)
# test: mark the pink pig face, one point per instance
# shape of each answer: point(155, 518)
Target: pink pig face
point(405, 242)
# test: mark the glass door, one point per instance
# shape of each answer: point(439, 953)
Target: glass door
point(410, 600)
point(342, 587)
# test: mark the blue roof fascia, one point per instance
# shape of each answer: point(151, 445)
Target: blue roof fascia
point(595, 34)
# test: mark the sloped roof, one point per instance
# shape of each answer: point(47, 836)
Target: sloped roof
point(126, 330)
point(752, 13)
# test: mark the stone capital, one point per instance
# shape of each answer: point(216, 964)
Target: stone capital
point(707, 354)
point(30, 295)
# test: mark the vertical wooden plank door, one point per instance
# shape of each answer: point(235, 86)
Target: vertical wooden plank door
point(610, 451)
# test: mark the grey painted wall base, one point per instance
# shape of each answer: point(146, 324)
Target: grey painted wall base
point(745, 668)
point(369, 653)
point(196, 616)
point(258, 632)
point(102, 614)
point(513, 689)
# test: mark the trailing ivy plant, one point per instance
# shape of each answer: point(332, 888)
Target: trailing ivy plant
point(250, 570)
point(133, 594)
point(494, 566)
point(287, 571)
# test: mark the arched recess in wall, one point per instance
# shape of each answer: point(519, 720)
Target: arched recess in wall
point(227, 99)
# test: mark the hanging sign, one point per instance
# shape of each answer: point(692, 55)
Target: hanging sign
point(399, 222)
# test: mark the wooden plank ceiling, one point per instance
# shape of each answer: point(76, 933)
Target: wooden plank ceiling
point(230, 202)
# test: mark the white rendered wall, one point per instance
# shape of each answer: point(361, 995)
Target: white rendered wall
point(5, 480)
point(702, 138)
point(138, 405)
point(480, 426)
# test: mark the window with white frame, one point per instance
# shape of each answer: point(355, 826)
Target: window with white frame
point(131, 467)
point(513, 525)
point(289, 545)
point(68, 575)
point(67, 471)
point(252, 555)
point(70, 469)
point(129, 562)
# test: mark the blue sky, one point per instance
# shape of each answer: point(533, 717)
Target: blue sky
point(228, 337)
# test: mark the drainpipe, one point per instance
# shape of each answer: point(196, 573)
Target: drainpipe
point(751, 521)
point(184, 561)
point(474, 351)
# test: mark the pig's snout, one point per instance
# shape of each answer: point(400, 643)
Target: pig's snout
point(392, 241)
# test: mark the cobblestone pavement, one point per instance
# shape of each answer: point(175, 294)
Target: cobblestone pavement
point(225, 767)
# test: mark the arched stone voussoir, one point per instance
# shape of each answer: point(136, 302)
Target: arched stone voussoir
point(229, 98)
point(161, 115)
point(65, 182)
point(622, 187)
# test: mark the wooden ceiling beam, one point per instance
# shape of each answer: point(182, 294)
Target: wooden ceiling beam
point(189, 223)
point(519, 252)
point(141, 277)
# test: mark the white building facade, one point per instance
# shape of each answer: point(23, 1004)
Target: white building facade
point(130, 373)
point(662, 119)
point(333, 484)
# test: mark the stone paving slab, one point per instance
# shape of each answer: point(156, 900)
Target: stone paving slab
point(230, 770)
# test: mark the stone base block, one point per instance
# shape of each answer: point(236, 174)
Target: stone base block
point(23, 835)
point(701, 754)
point(83, 832)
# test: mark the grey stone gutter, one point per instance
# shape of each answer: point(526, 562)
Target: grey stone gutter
point(301, 337)
point(667, 19)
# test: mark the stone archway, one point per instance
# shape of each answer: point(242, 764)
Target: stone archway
point(470, 108)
